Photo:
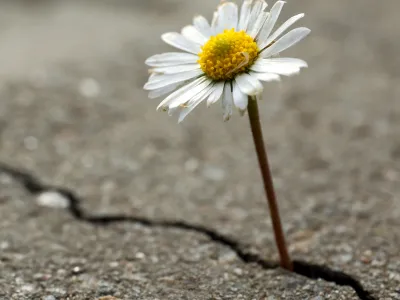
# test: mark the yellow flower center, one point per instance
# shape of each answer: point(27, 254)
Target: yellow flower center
point(228, 54)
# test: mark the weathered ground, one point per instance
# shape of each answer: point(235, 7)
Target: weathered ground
point(72, 112)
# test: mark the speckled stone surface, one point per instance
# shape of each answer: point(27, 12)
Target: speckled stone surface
point(72, 111)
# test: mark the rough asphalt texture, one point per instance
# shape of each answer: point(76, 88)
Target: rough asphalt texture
point(72, 111)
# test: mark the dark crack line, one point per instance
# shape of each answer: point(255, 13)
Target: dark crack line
point(35, 187)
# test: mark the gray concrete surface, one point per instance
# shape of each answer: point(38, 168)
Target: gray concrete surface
point(73, 112)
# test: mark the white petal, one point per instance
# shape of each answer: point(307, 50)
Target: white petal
point(227, 101)
point(214, 23)
point(163, 91)
point(280, 30)
point(248, 84)
point(181, 91)
point(239, 98)
point(171, 59)
point(245, 14)
point(258, 7)
point(254, 31)
point(288, 60)
point(266, 76)
point(288, 40)
point(192, 34)
point(202, 26)
point(178, 41)
point(216, 94)
point(271, 21)
point(227, 16)
point(164, 80)
point(154, 77)
point(204, 94)
point(195, 102)
point(186, 110)
point(281, 66)
point(191, 95)
point(175, 69)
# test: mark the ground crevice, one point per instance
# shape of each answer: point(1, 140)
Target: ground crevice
point(35, 186)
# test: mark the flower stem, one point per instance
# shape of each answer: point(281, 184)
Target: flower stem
point(255, 124)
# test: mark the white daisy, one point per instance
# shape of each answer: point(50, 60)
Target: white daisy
point(225, 60)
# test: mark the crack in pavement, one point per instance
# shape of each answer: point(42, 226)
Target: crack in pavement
point(312, 271)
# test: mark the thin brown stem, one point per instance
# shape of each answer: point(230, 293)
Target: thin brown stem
point(255, 124)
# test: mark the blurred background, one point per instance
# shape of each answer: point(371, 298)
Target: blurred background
point(73, 111)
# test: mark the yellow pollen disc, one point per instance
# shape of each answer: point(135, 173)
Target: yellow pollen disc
point(228, 54)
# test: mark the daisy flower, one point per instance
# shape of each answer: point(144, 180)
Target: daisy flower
point(226, 60)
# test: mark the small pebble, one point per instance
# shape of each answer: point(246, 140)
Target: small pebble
point(4, 245)
point(77, 270)
point(191, 165)
point(28, 288)
point(154, 259)
point(238, 271)
point(50, 297)
point(52, 199)
point(19, 280)
point(89, 88)
point(366, 257)
point(213, 173)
